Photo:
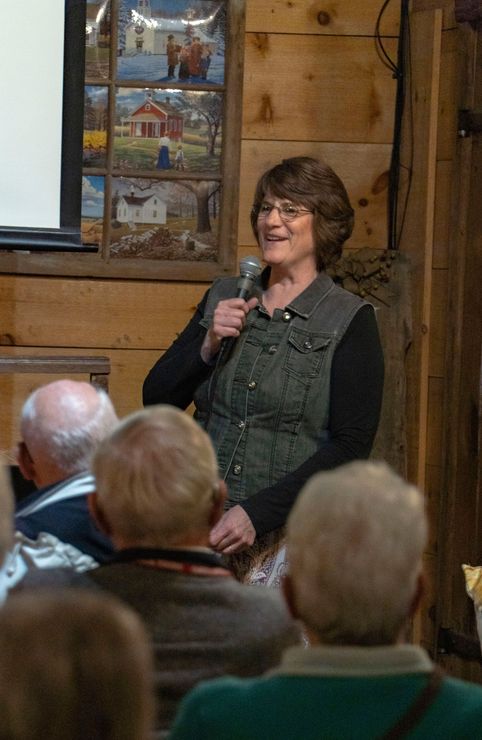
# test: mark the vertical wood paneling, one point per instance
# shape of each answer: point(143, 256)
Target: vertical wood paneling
point(417, 239)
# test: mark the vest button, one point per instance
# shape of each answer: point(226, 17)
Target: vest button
point(252, 385)
point(286, 316)
point(237, 470)
point(241, 424)
point(308, 345)
point(273, 349)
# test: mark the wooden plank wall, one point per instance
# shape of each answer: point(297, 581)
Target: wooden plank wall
point(313, 84)
point(429, 141)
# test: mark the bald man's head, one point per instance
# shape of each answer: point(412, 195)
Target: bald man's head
point(61, 425)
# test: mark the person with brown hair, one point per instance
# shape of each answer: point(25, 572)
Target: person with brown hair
point(74, 665)
point(287, 382)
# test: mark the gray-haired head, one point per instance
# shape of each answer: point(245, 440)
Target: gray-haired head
point(355, 541)
point(157, 479)
point(61, 425)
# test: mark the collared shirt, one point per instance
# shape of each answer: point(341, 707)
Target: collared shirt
point(333, 660)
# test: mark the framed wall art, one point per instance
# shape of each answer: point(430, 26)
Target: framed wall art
point(158, 150)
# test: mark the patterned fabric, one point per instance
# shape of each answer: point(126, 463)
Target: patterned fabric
point(264, 563)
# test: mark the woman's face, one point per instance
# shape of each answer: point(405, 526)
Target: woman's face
point(286, 243)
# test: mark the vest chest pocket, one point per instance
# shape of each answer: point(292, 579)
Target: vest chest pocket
point(306, 354)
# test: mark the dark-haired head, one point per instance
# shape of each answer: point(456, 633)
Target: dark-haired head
point(313, 185)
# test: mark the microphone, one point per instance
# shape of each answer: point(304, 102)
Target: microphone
point(249, 269)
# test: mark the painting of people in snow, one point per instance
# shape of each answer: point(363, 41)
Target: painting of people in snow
point(161, 130)
point(169, 220)
point(173, 41)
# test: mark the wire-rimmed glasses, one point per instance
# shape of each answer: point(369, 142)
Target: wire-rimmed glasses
point(287, 211)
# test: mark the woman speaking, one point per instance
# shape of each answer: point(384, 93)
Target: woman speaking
point(287, 382)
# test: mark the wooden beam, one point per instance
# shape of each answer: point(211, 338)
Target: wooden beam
point(432, 130)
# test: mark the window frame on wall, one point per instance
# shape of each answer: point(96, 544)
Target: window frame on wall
point(101, 263)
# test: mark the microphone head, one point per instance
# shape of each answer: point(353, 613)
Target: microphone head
point(250, 267)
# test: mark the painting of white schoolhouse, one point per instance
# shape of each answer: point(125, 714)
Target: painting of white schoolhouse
point(171, 40)
point(146, 209)
point(175, 220)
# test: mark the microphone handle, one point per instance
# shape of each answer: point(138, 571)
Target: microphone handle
point(245, 286)
point(244, 293)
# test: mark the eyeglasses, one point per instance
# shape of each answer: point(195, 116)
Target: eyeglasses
point(287, 211)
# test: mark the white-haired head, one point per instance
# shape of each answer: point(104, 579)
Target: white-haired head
point(157, 479)
point(61, 425)
point(355, 541)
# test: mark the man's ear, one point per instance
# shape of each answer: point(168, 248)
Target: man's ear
point(289, 595)
point(219, 497)
point(97, 514)
point(25, 462)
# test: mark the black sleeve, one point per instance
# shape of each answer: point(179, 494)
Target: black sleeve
point(177, 374)
point(355, 402)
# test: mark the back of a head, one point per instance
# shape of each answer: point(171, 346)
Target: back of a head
point(355, 541)
point(157, 478)
point(63, 422)
point(6, 513)
point(74, 664)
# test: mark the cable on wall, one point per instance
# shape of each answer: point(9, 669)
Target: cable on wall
point(398, 71)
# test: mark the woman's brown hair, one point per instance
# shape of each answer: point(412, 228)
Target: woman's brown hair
point(306, 182)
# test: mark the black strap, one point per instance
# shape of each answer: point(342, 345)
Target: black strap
point(193, 557)
point(414, 714)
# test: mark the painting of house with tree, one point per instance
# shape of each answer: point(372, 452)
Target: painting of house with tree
point(176, 220)
point(188, 119)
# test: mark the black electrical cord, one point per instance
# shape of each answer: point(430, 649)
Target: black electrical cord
point(381, 51)
point(398, 71)
point(409, 147)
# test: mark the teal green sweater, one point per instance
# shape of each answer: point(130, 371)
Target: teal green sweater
point(280, 706)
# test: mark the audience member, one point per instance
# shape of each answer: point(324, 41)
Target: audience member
point(61, 425)
point(6, 525)
point(355, 542)
point(158, 496)
point(74, 665)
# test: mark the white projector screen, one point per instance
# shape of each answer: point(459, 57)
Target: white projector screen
point(32, 94)
point(42, 74)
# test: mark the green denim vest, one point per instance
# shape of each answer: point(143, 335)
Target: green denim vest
point(266, 404)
